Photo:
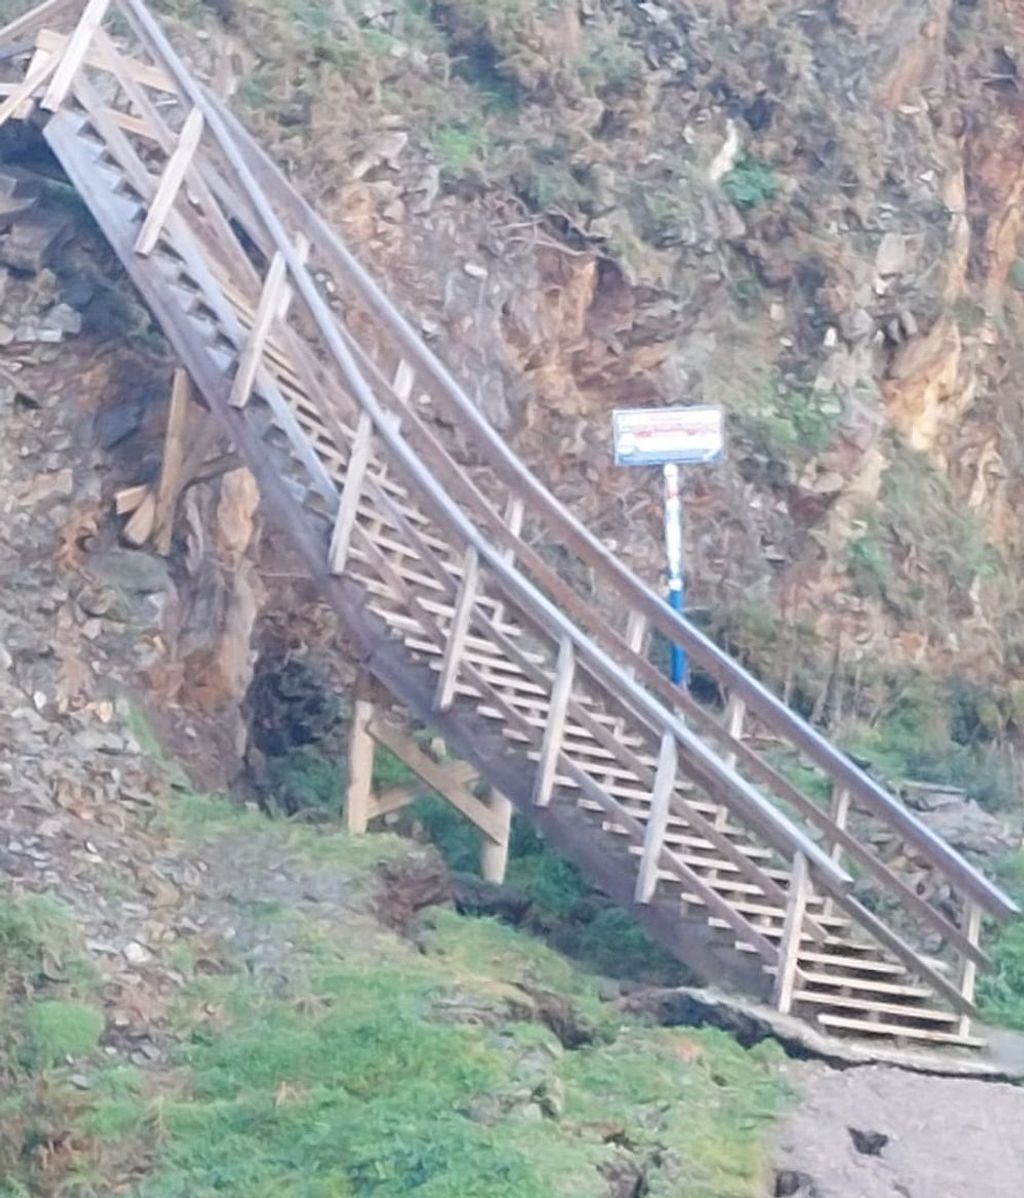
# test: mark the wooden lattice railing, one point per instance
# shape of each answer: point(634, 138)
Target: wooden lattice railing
point(436, 545)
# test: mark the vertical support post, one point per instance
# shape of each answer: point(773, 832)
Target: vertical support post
point(789, 949)
point(494, 854)
point(968, 968)
point(361, 752)
point(839, 811)
point(674, 551)
point(174, 456)
point(735, 717)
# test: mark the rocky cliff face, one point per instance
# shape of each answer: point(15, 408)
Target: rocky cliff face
point(808, 213)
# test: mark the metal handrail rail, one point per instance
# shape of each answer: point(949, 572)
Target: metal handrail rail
point(510, 468)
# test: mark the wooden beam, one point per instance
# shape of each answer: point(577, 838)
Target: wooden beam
point(438, 778)
point(348, 508)
point(74, 53)
point(456, 643)
point(840, 811)
point(275, 301)
point(361, 751)
point(170, 183)
point(551, 749)
point(139, 528)
point(169, 487)
point(657, 821)
point(38, 74)
point(96, 56)
point(128, 500)
point(494, 853)
point(734, 719)
point(789, 949)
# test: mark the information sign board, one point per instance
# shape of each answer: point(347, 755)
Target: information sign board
point(659, 436)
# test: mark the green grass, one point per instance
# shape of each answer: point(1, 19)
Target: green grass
point(1001, 990)
point(381, 1070)
point(751, 183)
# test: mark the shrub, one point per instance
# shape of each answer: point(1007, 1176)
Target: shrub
point(750, 183)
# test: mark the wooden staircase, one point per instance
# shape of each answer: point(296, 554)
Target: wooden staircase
point(428, 538)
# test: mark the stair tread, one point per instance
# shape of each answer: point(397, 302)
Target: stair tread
point(867, 963)
point(898, 1031)
point(825, 979)
point(929, 1014)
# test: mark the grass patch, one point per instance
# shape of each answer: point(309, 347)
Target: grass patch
point(751, 183)
point(1001, 989)
point(380, 1070)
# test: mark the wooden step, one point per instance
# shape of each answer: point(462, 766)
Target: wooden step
point(897, 1031)
point(866, 984)
point(839, 961)
point(927, 1014)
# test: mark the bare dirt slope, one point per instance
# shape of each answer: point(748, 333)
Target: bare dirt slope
point(943, 1137)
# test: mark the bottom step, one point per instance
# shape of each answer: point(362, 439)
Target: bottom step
point(897, 1031)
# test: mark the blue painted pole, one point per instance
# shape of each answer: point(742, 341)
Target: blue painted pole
point(674, 551)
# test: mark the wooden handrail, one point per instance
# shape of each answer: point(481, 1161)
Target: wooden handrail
point(476, 559)
point(569, 531)
point(519, 589)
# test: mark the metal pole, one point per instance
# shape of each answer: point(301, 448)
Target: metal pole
point(674, 550)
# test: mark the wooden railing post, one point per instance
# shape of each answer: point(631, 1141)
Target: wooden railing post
point(361, 752)
point(551, 749)
point(734, 719)
point(789, 949)
point(657, 821)
point(968, 968)
point(461, 618)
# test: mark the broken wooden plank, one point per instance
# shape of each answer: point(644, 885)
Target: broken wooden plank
point(74, 53)
point(37, 75)
point(170, 183)
point(128, 500)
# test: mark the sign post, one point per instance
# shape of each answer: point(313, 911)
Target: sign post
point(670, 438)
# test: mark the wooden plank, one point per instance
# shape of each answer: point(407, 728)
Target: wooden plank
point(899, 1031)
point(456, 645)
point(274, 303)
point(170, 183)
point(847, 1002)
point(735, 716)
point(139, 528)
point(96, 56)
point(362, 748)
point(169, 486)
point(551, 748)
point(127, 500)
point(74, 52)
point(275, 291)
point(37, 75)
point(654, 840)
point(839, 811)
point(789, 950)
point(438, 778)
point(348, 508)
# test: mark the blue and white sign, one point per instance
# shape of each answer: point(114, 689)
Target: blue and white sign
point(659, 436)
